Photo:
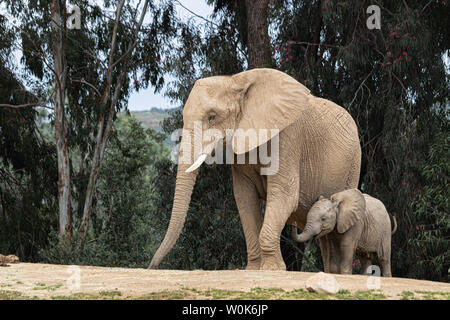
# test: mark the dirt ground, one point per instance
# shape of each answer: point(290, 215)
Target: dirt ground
point(45, 281)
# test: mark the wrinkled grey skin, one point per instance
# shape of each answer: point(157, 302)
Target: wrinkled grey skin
point(350, 223)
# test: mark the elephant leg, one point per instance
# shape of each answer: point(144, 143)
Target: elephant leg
point(269, 238)
point(347, 252)
point(283, 189)
point(278, 209)
point(324, 246)
point(385, 265)
point(248, 204)
point(335, 257)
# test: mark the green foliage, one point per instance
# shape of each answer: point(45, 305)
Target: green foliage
point(28, 209)
point(27, 172)
point(431, 240)
point(121, 228)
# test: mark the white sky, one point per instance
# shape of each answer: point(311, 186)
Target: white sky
point(146, 99)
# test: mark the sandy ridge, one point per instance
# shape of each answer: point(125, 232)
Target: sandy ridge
point(46, 280)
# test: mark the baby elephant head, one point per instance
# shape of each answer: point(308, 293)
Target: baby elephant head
point(340, 211)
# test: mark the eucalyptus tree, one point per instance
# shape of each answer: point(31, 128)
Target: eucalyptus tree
point(92, 56)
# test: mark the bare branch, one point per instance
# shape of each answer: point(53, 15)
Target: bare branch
point(113, 47)
point(360, 86)
point(89, 84)
point(19, 106)
point(135, 37)
point(210, 22)
point(399, 81)
point(423, 9)
point(195, 14)
point(104, 125)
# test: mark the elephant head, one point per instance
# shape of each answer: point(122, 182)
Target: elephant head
point(221, 109)
point(342, 211)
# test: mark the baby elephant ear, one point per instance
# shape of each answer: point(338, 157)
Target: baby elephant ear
point(351, 207)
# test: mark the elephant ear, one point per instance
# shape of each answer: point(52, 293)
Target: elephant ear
point(268, 99)
point(351, 207)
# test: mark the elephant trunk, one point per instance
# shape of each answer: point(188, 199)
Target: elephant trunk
point(183, 190)
point(309, 232)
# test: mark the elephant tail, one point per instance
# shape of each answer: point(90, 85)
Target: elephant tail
point(394, 222)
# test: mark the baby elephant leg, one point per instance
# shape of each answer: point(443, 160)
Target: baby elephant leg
point(347, 253)
point(334, 258)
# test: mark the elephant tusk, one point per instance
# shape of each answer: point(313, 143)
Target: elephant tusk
point(197, 162)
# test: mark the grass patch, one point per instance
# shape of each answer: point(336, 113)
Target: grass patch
point(217, 294)
point(168, 295)
point(102, 295)
point(12, 295)
point(369, 295)
point(43, 286)
point(261, 294)
point(408, 295)
point(110, 294)
point(5, 285)
point(343, 291)
point(302, 294)
point(220, 294)
point(78, 296)
point(434, 295)
point(280, 294)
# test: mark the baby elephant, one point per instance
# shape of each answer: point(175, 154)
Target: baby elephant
point(350, 222)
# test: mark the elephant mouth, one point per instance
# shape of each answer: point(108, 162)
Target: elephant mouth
point(197, 162)
point(210, 150)
point(322, 233)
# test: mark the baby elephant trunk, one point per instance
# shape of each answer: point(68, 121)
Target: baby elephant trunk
point(309, 232)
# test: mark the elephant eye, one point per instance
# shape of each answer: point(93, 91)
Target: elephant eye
point(323, 218)
point(212, 117)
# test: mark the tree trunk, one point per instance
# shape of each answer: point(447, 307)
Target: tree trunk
point(104, 130)
point(258, 41)
point(104, 126)
point(60, 68)
point(317, 30)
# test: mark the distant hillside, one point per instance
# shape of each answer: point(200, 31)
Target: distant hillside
point(151, 118)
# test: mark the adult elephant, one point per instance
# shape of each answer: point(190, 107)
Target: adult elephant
point(318, 154)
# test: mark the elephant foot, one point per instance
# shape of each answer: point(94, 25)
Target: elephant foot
point(272, 263)
point(253, 265)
